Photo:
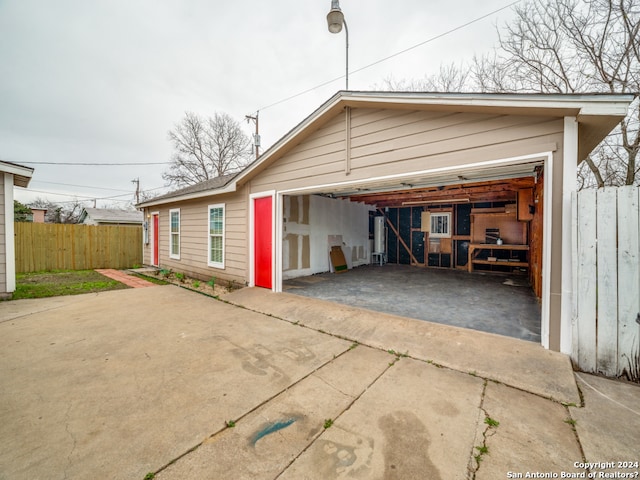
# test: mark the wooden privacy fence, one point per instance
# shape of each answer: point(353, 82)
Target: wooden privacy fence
point(45, 246)
point(606, 274)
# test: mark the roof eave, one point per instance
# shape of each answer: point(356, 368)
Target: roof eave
point(582, 106)
point(21, 174)
point(228, 188)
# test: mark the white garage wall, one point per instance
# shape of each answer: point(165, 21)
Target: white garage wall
point(313, 223)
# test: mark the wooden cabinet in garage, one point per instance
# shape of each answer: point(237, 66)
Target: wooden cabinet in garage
point(498, 239)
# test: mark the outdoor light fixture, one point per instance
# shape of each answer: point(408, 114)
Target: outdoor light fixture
point(335, 20)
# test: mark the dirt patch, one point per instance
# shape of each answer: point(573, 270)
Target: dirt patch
point(212, 288)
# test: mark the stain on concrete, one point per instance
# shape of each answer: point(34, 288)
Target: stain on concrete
point(271, 427)
point(445, 408)
point(298, 353)
point(342, 460)
point(406, 447)
point(256, 362)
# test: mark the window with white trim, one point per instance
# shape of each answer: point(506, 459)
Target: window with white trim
point(216, 235)
point(174, 233)
point(440, 225)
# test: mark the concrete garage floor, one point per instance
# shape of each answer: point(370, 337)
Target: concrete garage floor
point(502, 304)
point(118, 384)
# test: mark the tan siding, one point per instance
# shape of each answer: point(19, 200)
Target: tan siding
point(460, 133)
point(404, 125)
point(194, 240)
point(415, 156)
point(388, 141)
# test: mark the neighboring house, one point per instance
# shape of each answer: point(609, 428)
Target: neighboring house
point(38, 214)
point(109, 216)
point(447, 173)
point(11, 175)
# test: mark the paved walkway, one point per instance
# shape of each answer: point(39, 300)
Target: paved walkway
point(123, 277)
point(122, 383)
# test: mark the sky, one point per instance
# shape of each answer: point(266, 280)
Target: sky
point(103, 81)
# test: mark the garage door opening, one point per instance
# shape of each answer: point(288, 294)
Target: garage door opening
point(502, 304)
point(462, 253)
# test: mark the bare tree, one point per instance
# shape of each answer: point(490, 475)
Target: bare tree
point(450, 78)
point(206, 148)
point(67, 212)
point(575, 46)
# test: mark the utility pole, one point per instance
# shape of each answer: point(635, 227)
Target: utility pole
point(256, 136)
point(137, 182)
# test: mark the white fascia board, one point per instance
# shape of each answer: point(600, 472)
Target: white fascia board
point(16, 169)
point(230, 188)
point(587, 104)
point(611, 108)
point(275, 148)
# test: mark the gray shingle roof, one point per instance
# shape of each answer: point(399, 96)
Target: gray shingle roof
point(109, 215)
point(211, 184)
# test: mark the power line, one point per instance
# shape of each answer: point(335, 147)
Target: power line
point(96, 164)
point(393, 55)
point(80, 196)
point(81, 186)
point(115, 198)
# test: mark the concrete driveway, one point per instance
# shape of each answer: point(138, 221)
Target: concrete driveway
point(119, 384)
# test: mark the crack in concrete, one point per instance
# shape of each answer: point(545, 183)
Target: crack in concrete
point(332, 386)
point(484, 376)
point(319, 434)
point(250, 411)
point(475, 459)
point(73, 437)
point(570, 420)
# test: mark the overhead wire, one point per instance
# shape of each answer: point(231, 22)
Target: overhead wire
point(286, 99)
point(88, 164)
point(377, 62)
point(81, 186)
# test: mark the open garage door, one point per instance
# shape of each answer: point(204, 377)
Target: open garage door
point(465, 243)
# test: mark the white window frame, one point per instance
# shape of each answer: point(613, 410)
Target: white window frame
point(175, 256)
point(224, 226)
point(447, 233)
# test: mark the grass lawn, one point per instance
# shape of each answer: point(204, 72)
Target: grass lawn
point(62, 282)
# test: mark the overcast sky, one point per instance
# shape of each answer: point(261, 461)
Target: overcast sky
point(102, 81)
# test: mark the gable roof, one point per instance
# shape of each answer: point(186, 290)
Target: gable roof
point(110, 215)
point(21, 174)
point(597, 115)
point(206, 186)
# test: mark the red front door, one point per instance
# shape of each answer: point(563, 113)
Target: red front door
point(156, 231)
point(262, 242)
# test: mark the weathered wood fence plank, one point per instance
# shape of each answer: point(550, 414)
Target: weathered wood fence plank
point(628, 277)
point(42, 246)
point(586, 280)
point(607, 362)
point(606, 272)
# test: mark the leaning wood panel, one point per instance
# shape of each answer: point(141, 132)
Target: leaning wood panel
point(628, 282)
point(43, 247)
point(607, 282)
point(586, 281)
